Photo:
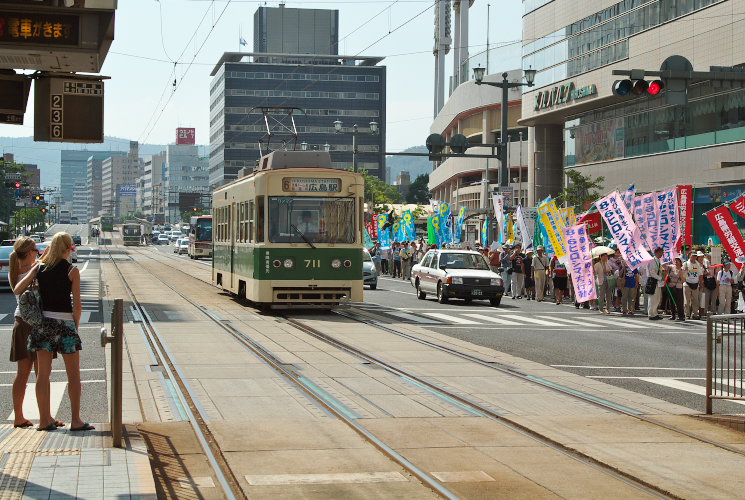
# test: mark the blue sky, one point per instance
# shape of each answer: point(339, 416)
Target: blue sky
point(151, 34)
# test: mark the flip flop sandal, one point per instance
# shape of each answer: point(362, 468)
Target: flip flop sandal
point(59, 424)
point(85, 427)
point(50, 427)
point(25, 424)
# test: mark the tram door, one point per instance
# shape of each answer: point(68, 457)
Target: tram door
point(233, 231)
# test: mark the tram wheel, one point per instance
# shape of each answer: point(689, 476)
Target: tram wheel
point(441, 297)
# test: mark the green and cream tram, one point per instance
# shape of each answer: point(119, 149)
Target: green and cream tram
point(289, 234)
point(131, 233)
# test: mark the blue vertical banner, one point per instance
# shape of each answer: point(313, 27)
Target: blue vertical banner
point(437, 225)
point(396, 233)
point(407, 221)
point(485, 232)
point(458, 230)
point(384, 235)
point(445, 232)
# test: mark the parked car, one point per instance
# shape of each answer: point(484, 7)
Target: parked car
point(369, 273)
point(36, 238)
point(163, 239)
point(175, 235)
point(5, 252)
point(456, 274)
point(41, 248)
point(182, 246)
point(7, 243)
point(77, 240)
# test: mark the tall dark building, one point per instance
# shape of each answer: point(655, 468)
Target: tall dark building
point(327, 87)
point(280, 30)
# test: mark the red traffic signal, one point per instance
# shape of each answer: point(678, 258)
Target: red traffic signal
point(18, 185)
point(637, 87)
point(656, 87)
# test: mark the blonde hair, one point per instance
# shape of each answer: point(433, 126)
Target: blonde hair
point(21, 248)
point(61, 243)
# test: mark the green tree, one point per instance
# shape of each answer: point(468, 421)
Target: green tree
point(186, 216)
point(29, 219)
point(381, 193)
point(418, 190)
point(9, 174)
point(581, 189)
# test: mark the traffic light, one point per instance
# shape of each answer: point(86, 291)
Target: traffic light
point(638, 87)
point(53, 207)
point(44, 210)
point(195, 209)
point(17, 185)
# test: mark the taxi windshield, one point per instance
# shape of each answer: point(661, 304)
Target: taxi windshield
point(463, 261)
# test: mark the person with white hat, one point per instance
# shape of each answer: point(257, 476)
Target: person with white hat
point(694, 273)
point(540, 268)
point(725, 280)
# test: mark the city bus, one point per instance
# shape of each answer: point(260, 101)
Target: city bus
point(64, 216)
point(200, 236)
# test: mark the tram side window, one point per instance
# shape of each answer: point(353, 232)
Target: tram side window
point(259, 219)
point(306, 219)
point(251, 221)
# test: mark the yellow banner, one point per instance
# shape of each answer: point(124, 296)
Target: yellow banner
point(510, 230)
point(553, 222)
point(570, 219)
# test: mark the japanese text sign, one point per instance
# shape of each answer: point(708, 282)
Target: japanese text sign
point(724, 225)
point(624, 230)
point(579, 257)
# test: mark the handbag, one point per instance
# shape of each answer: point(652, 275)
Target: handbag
point(692, 286)
point(29, 305)
point(651, 286)
point(710, 283)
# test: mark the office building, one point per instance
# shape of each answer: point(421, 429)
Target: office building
point(185, 181)
point(79, 212)
point(576, 122)
point(351, 91)
point(94, 188)
point(74, 167)
point(119, 175)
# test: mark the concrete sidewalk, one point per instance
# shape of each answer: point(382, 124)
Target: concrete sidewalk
point(64, 465)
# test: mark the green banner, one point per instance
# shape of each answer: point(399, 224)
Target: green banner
point(431, 234)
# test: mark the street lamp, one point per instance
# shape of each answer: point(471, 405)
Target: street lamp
point(505, 85)
point(338, 128)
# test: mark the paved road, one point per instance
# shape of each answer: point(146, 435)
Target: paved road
point(662, 359)
point(95, 404)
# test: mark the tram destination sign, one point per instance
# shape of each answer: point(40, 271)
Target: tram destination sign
point(39, 28)
point(311, 185)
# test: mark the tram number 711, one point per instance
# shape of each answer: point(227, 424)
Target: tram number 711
point(312, 263)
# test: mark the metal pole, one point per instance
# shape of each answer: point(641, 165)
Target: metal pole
point(117, 328)
point(503, 170)
point(709, 354)
point(354, 148)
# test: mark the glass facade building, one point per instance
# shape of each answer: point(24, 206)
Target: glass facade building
point(352, 90)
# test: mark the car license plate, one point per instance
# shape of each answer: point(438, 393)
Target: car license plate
point(476, 291)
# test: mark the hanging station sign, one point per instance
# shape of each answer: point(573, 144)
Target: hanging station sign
point(562, 94)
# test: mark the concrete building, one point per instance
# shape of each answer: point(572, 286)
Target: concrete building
point(79, 210)
point(94, 188)
point(74, 167)
point(119, 175)
point(151, 184)
point(577, 123)
point(352, 90)
point(403, 182)
point(185, 181)
point(282, 30)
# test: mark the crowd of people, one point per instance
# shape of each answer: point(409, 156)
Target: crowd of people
point(690, 287)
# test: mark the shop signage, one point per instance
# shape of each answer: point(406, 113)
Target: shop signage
point(48, 29)
point(562, 94)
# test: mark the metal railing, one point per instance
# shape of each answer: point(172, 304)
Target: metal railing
point(725, 358)
point(117, 347)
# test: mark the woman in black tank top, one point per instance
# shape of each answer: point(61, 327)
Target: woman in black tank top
point(58, 282)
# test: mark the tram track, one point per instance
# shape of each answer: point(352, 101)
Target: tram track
point(209, 444)
point(522, 376)
point(456, 399)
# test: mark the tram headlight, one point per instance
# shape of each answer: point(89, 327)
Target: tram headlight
point(277, 263)
point(336, 263)
point(289, 264)
point(347, 263)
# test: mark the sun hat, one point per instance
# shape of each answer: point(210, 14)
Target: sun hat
point(541, 247)
point(700, 254)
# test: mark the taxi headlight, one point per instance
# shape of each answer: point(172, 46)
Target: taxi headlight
point(496, 281)
point(457, 280)
point(336, 263)
point(288, 263)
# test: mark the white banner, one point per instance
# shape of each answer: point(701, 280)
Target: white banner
point(498, 200)
point(624, 230)
point(526, 236)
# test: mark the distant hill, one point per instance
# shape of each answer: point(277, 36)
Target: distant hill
point(47, 154)
point(415, 165)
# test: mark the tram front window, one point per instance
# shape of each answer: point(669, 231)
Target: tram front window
point(131, 231)
point(315, 220)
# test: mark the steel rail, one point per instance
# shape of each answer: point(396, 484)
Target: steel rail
point(513, 372)
point(487, 412)
point(225, 477)
point(296, 380)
